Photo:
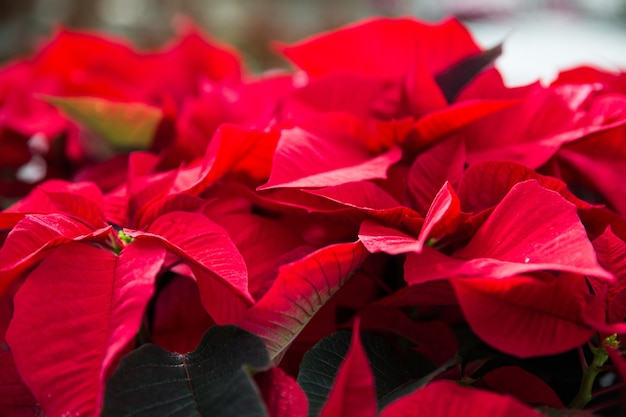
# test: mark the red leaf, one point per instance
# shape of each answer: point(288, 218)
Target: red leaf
point(79, 207)
point(485, 184)
point(353, 393)
point(302, 159)
point(435, 339)
point(360, 194)
point(232, 150)
point(443, 217)
point(179, 320)
point(552, 238)
point(72, 51)
point(282, 395)
point(377, 238)
point(300, 290)
point(423, 93)
point(393, 45)
point(447, 398)
point(360, 96)
point(433, 293)
point(444, 122)
point(374, 202)
point(214, 259)
point(194, 57)
point(523, 385)
point(263, 243)
point(162, 206)
point(547, 119)
point(146, 190)
point(611, 251)
point(527, 316)
point(431, 169)
point(515, 239)
point(35, 233)
point(600, 160)
point(74, 315)
point(16, 399)
point(82, 200)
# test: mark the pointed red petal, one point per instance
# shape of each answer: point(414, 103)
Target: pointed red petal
point(300, 290)
point(353, 393)
point(234, 150)
point(441, 123)
point(74, 315)
point(443, 216)
point(377, 238)
point(302, 159)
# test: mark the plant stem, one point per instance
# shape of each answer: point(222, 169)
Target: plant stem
point(600, 356)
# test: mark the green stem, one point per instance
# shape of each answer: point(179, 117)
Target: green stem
point(600, 356)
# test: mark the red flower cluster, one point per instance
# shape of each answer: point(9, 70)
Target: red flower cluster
point(393, 178)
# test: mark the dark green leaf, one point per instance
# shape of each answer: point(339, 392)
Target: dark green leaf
point(453, 79)
point(413, 385)
point(213, 380)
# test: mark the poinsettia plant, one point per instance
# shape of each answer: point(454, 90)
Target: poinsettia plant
point(385, 230)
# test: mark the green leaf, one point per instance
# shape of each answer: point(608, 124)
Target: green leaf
point(320, 365)
point(124, 126)
point(414, 385)
point(214, 380)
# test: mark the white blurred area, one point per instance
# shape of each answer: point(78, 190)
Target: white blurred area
point(541, 37)
point(539, 46)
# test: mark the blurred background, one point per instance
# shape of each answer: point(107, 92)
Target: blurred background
point(540, 36)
